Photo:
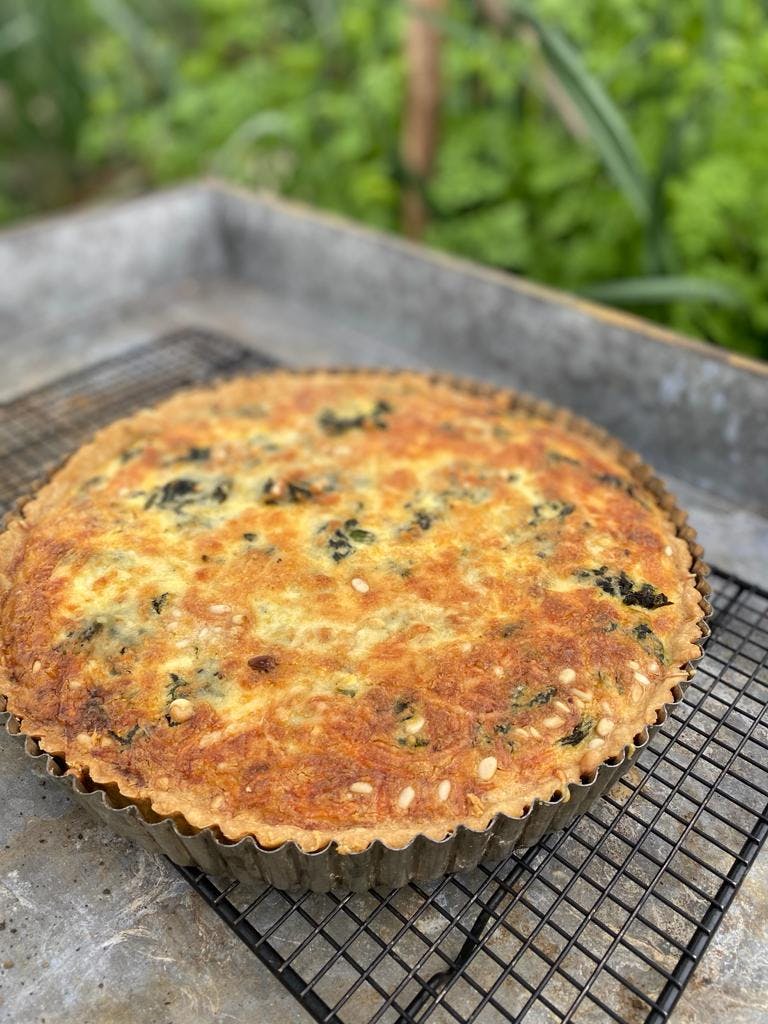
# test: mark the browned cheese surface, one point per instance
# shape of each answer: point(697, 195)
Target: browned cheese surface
point(345, 606)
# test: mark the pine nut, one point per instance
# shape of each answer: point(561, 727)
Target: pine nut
point(180, 710)
point(406, 798)
point(552, 722)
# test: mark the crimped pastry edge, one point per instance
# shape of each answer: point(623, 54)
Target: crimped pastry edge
point(522, 820)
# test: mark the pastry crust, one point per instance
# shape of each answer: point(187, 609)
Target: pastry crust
point(343, 606)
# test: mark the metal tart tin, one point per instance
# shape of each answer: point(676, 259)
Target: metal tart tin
point(422, 859)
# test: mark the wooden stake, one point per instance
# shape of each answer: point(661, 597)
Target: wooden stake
point(419, 134)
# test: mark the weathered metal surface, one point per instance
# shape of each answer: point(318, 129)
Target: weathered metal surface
point(196, 256)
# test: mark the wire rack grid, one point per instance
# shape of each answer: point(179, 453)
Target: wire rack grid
point(602, 922)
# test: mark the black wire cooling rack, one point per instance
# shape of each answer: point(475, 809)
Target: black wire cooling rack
point(602, 922)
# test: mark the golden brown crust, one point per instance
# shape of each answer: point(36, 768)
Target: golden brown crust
point(342, 606)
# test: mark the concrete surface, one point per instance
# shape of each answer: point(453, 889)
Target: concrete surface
point(91, 928)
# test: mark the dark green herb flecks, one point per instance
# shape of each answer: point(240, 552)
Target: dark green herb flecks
point(221, 491)
point(620, 484)
point(342, 542)
point(502, 731)
point(580, 733)
point(554, 456)
point(346, 691)
point(485, 736)
point(537, 700)
point(88, 632)
point(403, 709)
point(550, 510)
point(127, 738)
point(648, 640)
point(177, 687)
point(159, 602)
point(250, 537)
point(362, 536)
point(196, 455)
point(620, 585)
point(178, 494)
point(173, 494)
point(509, 629)
point(334, 425)
point(130, 453)
point(412, 741)
point(103, 636)
point(340, 545)
point(423, 520)
point(291, 492)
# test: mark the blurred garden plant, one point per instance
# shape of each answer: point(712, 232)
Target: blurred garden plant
point(611, 147)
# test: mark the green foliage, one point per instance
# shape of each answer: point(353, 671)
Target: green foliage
point(611, 147)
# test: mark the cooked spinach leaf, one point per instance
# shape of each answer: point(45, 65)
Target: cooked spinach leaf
point(333, 424)
point(644, 595)
point(549, 510)
point(581, 731)
point(173, 494)
point(362, 536)
point(289, 492)
point(127, 738)
point(649, 641)
point(620, 484)
point(403, 709)
point(554, 456)
point(178, 494)
point(196, 455)
point(537, 700)
point(342, 542)
point(221, 491)
point(177, 685)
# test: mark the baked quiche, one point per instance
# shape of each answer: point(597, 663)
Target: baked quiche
point(342, 606)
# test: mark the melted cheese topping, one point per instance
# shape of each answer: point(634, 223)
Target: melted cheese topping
point(342, 606)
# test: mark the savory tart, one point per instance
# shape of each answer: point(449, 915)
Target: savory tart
point(344, 606)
